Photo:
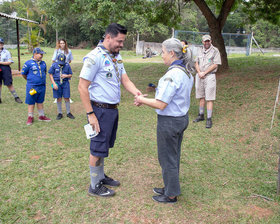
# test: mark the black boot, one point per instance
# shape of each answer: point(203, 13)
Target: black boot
point(199, 118)
point(209, 123)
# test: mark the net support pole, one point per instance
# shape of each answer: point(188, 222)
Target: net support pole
point(18, 49)
point(275, 104)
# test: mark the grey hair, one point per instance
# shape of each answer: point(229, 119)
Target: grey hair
point(175, 45)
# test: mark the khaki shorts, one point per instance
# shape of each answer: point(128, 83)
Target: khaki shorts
point(206, 88)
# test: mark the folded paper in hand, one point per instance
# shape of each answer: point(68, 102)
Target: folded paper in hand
point(90, 133)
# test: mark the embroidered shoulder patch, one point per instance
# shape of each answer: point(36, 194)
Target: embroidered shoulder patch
point(89, 62)
point(168, 80)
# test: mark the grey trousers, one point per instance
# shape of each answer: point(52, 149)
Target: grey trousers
point(170, 132)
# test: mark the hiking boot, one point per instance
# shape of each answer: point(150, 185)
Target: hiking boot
point(70, 116)
point(59, 116)
point(209, 123)
point(100, 190)
point(110, 181)
point(29, 120)
point(44, 118)
point(159, 191)
point(18, 100)
point(164, 199)
point(199, 118)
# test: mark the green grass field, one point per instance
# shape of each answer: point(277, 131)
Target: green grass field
point(225, 171)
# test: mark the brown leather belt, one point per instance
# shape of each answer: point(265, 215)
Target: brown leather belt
point(105, 105)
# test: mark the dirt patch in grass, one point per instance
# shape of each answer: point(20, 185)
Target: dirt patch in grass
point(259, 212)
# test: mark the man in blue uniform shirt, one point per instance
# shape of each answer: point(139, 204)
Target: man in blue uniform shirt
point(100, 79)
point(6, 72)
point(34, 71)
point(60, 73)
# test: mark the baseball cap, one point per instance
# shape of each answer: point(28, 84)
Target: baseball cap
point(1, 40)
point(61, 59)
point(38, 50)
point(206, 37)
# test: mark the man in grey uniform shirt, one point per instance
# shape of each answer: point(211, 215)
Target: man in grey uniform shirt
point(100, 80)
point(206, 65)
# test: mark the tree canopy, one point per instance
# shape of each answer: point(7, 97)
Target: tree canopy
point(84, 21)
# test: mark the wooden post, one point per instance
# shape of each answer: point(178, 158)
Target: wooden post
point(18, 49)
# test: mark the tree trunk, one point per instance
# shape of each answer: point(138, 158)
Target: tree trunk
point(218, 41)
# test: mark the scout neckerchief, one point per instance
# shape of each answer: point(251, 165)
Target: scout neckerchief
point(1, 50)
point(60, 73)
point(114, 60)
point(38, 63)
point(181, 67)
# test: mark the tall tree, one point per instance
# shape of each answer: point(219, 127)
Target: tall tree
point(216, 24)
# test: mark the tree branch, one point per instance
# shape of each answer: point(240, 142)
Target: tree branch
point(225, 10)
point(206, 11)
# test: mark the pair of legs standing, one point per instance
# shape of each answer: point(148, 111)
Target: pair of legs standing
point(170, 132)
point(59, 108)
point(42, 116)
point(200, 117)
point(13, 92)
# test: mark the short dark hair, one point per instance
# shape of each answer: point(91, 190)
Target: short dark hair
point(114, 29)
point(186, 42)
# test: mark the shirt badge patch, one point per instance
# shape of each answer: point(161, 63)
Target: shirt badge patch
point(109, 75)
point(168, 80)
point(107, 63)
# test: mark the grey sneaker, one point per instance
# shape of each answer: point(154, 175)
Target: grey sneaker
point(100, 190)
point(71, 116)
point(159, 191)
point(110, 181)
point(18, 100)
point(164, 199)
point(59, 116)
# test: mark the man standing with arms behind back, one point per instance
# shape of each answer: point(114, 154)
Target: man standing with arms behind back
point(100, 79)
point(206, 65)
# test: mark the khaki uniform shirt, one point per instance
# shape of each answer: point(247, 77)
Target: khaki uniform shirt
point(206, 58)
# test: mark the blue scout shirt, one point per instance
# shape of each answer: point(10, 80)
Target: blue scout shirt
point(105, 81)
point(69, 56)
point(35, 72)
point(5, 56)
point(174, 88)
point(55, 71)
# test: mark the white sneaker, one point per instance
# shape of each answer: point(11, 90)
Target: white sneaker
point(55, 100)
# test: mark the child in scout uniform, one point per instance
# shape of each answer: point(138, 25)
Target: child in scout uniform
point(60, 72)
point(34, 71)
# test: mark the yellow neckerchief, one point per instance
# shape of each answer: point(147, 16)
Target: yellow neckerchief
point(38, 63)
